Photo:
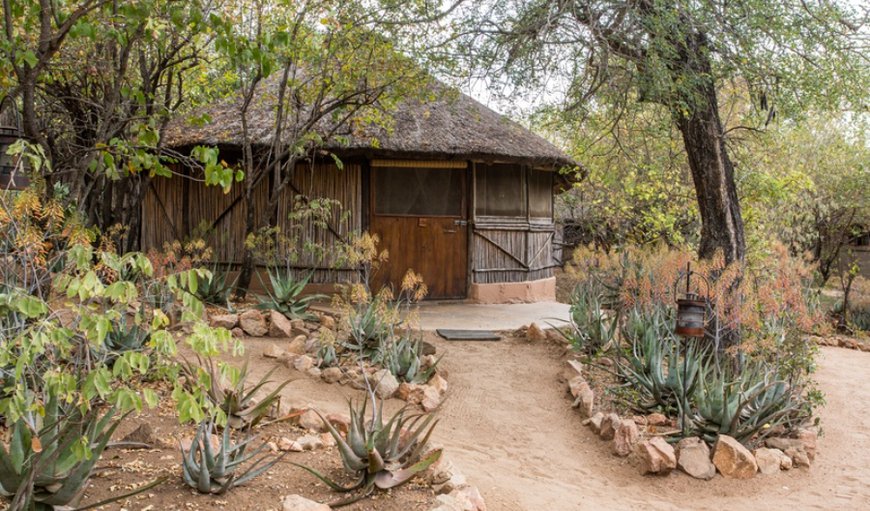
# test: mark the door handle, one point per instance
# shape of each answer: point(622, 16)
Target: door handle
point(462, 223)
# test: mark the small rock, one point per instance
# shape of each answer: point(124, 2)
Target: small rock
point(785, 462)
point(331, 374)
point(693, 458)
point(273, 447)
point(303, 363)
point(273, 351)
point(310, 442)
point(142, 435)
point(300, 503)
point(314, 372)
point(228, 321)
point(279, 325)
point(534, 333)
point(327, 439)
point(585, 400)
point(312, 345)
point(297, 345)
point(732, 459)
point(769, 460)
point(782, 443)
point(237, 332)
point(428, 349)
point(656, 419)
point(595, 422)
point(575, 384)
point(471, 495)
point(339, 422)
point(625, 437)
point(439, 384)
point(311, 421)
point(656, 456)
point(386, 384)
point(452, 483)
point(431, 398)
point(798, 456)
point(287, 445)
point(428, 361)
point(410, 392)
point(253, 323)
point(608, 426)
point(327, 321)
point(808, 438)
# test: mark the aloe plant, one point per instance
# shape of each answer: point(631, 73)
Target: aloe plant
point(216, 290)
point(378, 454)
point(286, 294)
point(217, 470)
point(404, 360)
point(590, 325)
point(50, 458)
point(123, 337)
point(234, 398)
point(368, 331)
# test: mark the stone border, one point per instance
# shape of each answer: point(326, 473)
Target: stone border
point(644, 438)
point(842, 341)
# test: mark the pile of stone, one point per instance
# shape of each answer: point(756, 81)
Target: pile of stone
point(644, 437)
point(841, 341)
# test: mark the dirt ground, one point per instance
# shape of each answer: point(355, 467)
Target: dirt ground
point(509, 426)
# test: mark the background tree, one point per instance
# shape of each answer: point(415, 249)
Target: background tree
point(678, 54)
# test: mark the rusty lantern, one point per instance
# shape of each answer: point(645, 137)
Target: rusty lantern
point(691, 308)
point(13, 174)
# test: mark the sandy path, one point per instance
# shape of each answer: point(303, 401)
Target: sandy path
point(508, 424)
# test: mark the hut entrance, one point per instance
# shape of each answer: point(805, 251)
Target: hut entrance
point(419, 212)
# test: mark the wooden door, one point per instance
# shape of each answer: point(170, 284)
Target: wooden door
point(419, 214)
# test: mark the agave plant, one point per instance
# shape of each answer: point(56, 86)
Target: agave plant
point(216, 470)
point(286, 294)
point(233, 395)
point(216, 290)
point(404, 359)
point(45, 466)
point(377, 454)
point(369, 331)
point(123, 337)
point(665, 380)
point(590, 325)
point(745, 404)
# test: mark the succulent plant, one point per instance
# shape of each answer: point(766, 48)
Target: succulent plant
point(380, 455)
point(125, 337)
point(216, 470)
point(235, 398)
point(286, 294)
point(590, 325)
point(404, 360)
point(49, 469)
point(216, 290)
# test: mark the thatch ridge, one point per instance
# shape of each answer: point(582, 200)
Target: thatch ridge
point(453, 125)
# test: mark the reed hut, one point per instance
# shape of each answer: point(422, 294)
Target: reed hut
point(454, 191)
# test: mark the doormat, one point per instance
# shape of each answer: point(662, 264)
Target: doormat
point(468, 335)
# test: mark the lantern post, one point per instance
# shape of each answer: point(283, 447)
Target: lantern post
point(691, 324)
point(12, 168)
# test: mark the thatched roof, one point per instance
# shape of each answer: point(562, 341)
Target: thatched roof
point(451, 126)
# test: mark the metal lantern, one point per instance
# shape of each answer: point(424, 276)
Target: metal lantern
point(691, 308)
point(12, 168)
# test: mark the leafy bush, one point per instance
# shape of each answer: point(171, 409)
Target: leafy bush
point(379, 454)
point(217, 470)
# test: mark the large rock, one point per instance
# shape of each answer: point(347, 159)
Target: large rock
point(300, 503)
point(535, 333)
point(656, 456)
point(608, 426)
point(769, 460)
point(228, 321)
point(625, 437)
point(253, 323)
point(693, 458)
point(732, 459)
point(279, 325)
point(385, 384)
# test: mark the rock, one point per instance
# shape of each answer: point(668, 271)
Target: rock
point(228, 321)
point(237, 332)
point(431, 398)
point(769, 460)
point(534, 333)
point(595, 422)
point(312, 345)
point(732, 459)
point(411, 392)
point(331, 374)
point(656, 419)
point(585, 399)
point(339, 422)
point(297, 345)
point(625, 438)
point(428, 361)
point(809, 438)
point(438, 383)
point(300, 503)
point(554, 335)
point(782, 443)
point(314, 372)
point(471, 495)
point(327, 439)
point(798, 457)
point(693, 458)
point(574, 386)
point(440, 471)
point(785, 462)
point(327, 321)
point(253, 323)
point(428, 349)
point(455, 481)
point(279, 325)
point(273, 447)
point(143, 435)
point(287, 445)
point(310, 442)
point(311, 421)
point(386, 384)
point(608, 426)
point(656, 456)
point(273, 351)
point(303, 363)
